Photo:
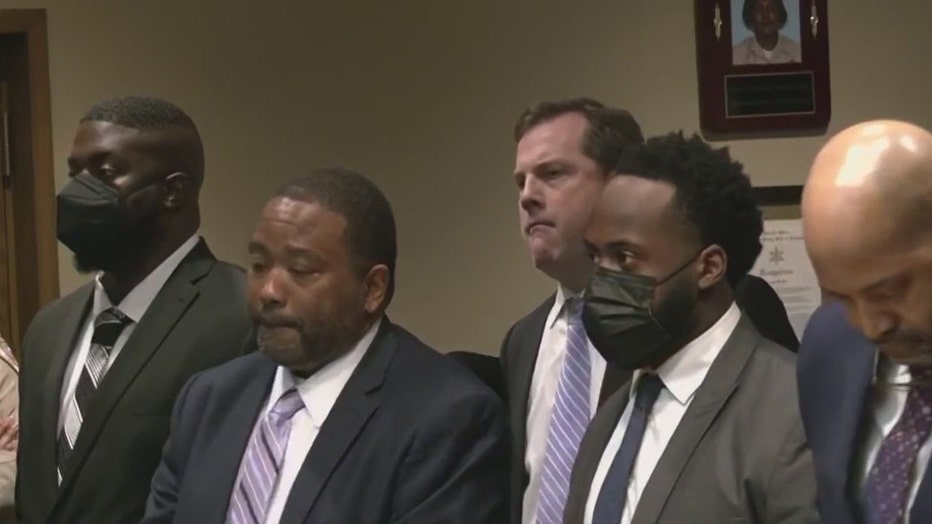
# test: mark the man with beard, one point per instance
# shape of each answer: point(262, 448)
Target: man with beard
point(342, 416)
point(709, 428)
point(865, 361)
point(102, 366)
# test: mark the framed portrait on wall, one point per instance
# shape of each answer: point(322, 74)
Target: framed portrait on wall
point(763, 67)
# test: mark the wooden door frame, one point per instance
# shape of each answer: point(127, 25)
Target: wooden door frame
point(37, 284)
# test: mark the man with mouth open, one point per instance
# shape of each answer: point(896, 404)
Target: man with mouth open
point(341, 416)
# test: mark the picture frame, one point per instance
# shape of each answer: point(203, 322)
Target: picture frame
point(763, 67)
point(779, 202)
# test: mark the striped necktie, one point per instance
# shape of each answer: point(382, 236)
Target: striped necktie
point(107, 328)
point(263, 461)
point(568, 421)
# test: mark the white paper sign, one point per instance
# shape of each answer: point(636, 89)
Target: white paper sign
point(784, 264)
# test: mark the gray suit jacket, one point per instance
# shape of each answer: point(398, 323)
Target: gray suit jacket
point(738, 455)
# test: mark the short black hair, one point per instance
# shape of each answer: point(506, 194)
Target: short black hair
point(370, 224)
point(747, 13)
point(609, 129)
point(139, 112)
point(712, 191)
point(147, 113)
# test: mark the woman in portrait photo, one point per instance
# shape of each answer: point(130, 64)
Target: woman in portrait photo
point(765, 19)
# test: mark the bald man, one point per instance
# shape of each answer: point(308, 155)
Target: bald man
point(865, 361)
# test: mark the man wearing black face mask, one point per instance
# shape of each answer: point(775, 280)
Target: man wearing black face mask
point(709, 429)
point(102, 366)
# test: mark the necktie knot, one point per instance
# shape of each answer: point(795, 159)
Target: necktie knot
point(574, 311)
point(108, 325)
point(287, 405)
point(649, 387)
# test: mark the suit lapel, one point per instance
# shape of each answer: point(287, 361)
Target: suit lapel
point(590, 454)
point(169, 305)
point(222, 461)
point(528, 341)
point(57, 358)
point(722, 380)
point(858, 370)
point(352, 410)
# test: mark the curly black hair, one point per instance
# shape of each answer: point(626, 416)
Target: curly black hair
point(712, 190)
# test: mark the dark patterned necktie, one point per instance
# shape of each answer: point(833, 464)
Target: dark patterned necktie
point(886, 491)
point(107, 328)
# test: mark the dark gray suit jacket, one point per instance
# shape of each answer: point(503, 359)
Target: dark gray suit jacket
point(519, 356)
point(197, 320)
point(738, 455)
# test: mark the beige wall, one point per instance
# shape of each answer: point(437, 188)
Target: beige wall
point(421, 96)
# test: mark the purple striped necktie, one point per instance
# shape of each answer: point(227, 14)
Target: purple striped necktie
point(263, 461)
point(569, 419)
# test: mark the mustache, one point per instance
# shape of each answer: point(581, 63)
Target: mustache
point(278, 321)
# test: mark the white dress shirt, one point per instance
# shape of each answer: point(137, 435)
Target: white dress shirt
point(134, 306)
point(749, 52)
point(543, 394)
point(682, 374)
point(319, 393)
point(886, 406)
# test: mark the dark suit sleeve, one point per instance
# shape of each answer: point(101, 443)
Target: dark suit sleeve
point(166, 483)
point(791, 494)
point(456, 470)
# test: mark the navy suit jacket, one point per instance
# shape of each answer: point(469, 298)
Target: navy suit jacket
point(413, 437)
point(835, 372)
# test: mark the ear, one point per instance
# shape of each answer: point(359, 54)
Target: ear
point(376, 288)
point(713, 264)
point(176, 194)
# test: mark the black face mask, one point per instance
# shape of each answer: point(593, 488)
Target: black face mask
point(93, 222)
point(621, 323)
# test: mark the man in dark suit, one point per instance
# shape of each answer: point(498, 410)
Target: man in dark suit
point(865, 387)
point(565, 152)
point(102, 366)
point(341, 416)
point(709, 430)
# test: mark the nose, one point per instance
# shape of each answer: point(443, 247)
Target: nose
point(271, 291)
point(530, 196)
point(874, 322)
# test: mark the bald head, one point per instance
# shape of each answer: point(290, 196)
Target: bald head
point(867, 219)
point(871, 182)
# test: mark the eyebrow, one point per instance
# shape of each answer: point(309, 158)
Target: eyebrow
point(884, 282)
point(301, 252)
point(257, 248)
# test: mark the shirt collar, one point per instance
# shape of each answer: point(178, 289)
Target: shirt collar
point(320, 391)
point(138, 300)
point(683, 373)
point(559, 302)
point(778, 50)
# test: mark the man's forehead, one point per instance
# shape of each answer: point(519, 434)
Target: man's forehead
point(543, 142)
point(98, 136)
